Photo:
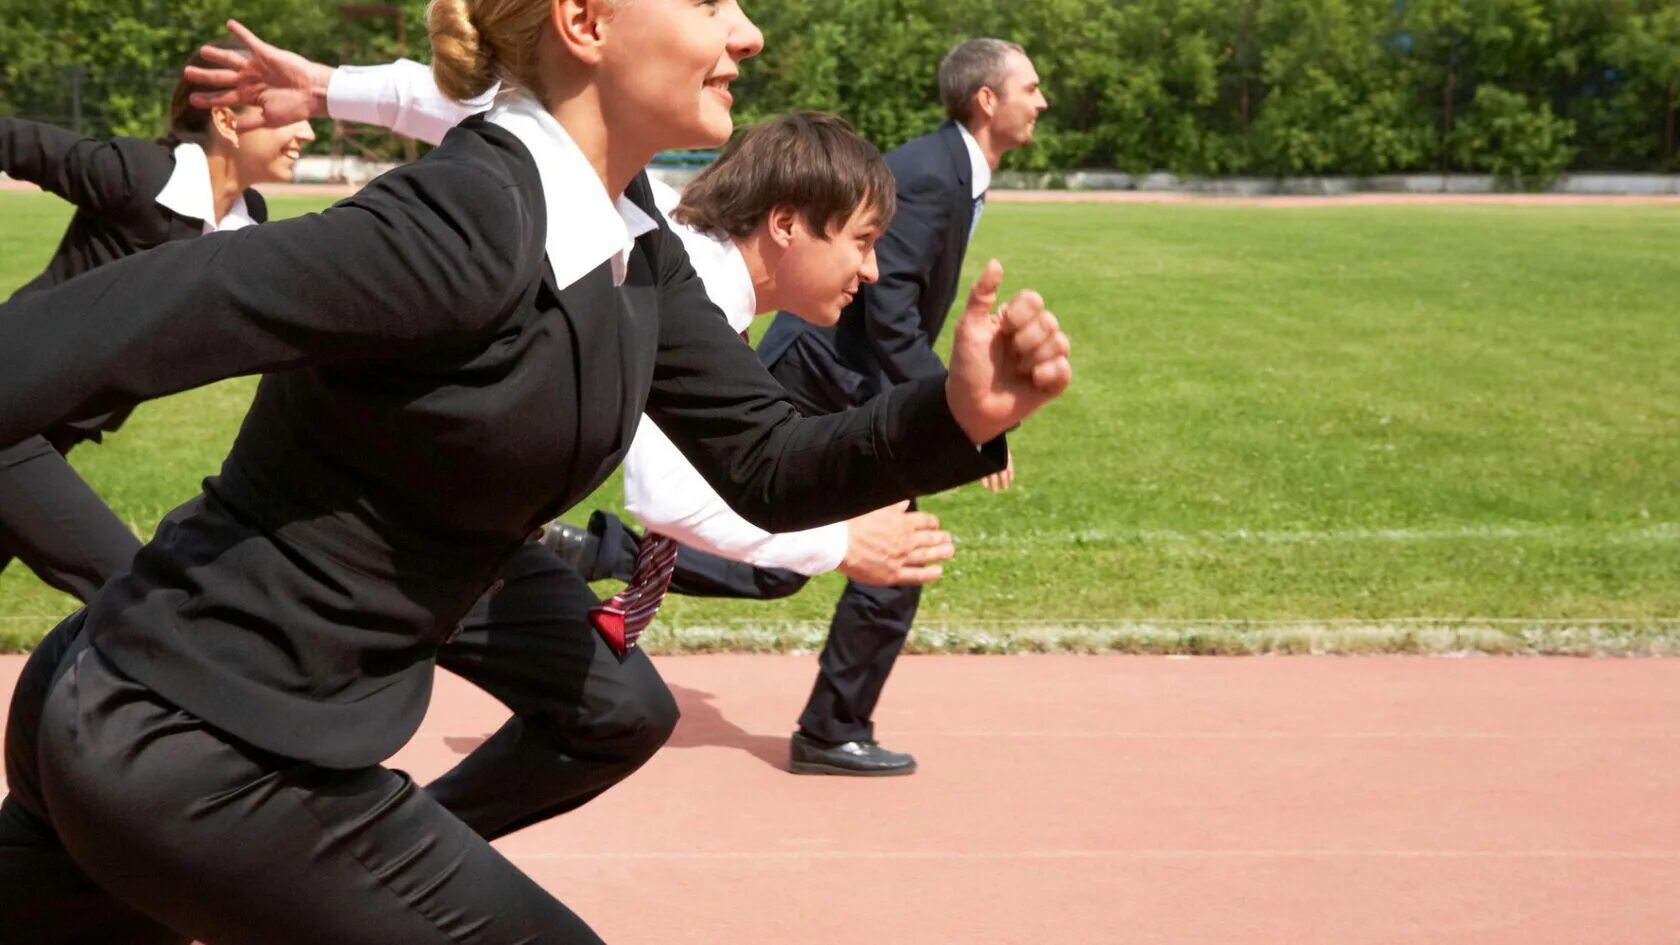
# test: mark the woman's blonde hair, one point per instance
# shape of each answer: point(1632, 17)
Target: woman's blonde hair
point(476, 43)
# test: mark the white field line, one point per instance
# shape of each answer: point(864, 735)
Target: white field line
point(1660, 533)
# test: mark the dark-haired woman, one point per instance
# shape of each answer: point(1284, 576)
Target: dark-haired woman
point(451, 357)
point(130, 195)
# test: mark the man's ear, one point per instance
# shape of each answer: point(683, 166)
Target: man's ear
point(580, 26)
point(780, 225)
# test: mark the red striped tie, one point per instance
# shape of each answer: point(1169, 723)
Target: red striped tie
point(623, 618)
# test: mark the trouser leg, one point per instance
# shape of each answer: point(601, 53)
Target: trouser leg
point(234, 846)
point(869, 628)
point(583, 720)
point(45, 897)
point(53, 522)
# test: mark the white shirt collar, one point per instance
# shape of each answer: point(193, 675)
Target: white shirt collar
point(585, 228)
point(189, 192)
point(716, 260)
point(977, 158)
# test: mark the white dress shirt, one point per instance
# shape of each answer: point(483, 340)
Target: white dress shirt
point(977, 160)
point(401, 96)
point(585, 227)
point(190, 193)
point(666, 494)
point(661, 490)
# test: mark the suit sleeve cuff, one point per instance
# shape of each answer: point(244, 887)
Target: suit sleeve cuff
point(930, 452)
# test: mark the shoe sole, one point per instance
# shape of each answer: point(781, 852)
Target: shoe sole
point(817, 767)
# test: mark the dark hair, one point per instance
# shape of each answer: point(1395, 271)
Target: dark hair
point(812, 162)
point(187, 123)
point(972, 66)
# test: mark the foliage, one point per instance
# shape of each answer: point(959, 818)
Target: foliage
point(1519, 88)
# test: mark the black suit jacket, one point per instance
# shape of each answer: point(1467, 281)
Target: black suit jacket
point(886, 335)
point(430, 397)
point(113, 185)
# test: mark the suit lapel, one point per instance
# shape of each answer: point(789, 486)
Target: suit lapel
point(592, 311)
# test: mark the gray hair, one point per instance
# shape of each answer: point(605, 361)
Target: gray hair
point(972, 66)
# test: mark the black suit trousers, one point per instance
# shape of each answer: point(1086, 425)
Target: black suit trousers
point(871, 622)
point(582, 720)
point(54, 523)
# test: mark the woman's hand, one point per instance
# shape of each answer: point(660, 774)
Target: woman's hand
point(287, 87)
point(1004, 366)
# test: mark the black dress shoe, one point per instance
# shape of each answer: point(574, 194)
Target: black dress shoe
point(858, 759)
point(567, 541)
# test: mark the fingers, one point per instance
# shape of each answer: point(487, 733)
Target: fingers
point(983, 296)
point(1023, 309)
point(213, 78)
point(922, 521)
point(227, 97)
point(1055, 346)
point(250, 39)
point(1053, 376)
point(217, 56)
point(925, 575)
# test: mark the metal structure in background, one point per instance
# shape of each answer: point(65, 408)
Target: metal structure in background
point(354, 137)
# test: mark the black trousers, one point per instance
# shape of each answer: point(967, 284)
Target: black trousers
point(697, 573)
point(54, 523)
point(108, 786)
point(871, 622)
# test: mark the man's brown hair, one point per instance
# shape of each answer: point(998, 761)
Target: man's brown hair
point(811, 162)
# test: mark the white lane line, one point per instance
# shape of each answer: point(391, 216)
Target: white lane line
point(1078, 735)
point(1662, 856)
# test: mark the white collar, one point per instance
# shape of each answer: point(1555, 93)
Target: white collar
point(585, 228)
point(716, 260)
point(189, 193)
point(976, 158)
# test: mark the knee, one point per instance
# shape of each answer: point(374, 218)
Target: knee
point(658, 720)
point(636, 724)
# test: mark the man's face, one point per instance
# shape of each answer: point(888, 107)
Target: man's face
point(1019, 103)
point(819, 275)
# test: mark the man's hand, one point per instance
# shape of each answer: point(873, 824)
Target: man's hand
point(999, 481)
point(895, 546)
point(287, 87)
point(1004, 366)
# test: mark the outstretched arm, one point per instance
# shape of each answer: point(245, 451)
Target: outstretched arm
point(92, 174)
point(782, 471)
point(431, 253)
point(887, 546)
point(401, 95)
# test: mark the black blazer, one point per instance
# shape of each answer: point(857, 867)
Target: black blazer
point(886, 335)
point(113, 185)
point(431, 396)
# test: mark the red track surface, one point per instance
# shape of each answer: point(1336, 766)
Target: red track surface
point(1138, 800)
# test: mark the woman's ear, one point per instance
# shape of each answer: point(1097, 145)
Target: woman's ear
point(580, 26)
point(224, 126)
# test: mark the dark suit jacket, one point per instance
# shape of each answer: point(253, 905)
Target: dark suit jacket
point(113, 185)
point(886, 335)
point(430, 396)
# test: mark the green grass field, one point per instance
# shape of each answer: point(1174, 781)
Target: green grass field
point(1394, 428)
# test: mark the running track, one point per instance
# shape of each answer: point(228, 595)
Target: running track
point(1137, 800)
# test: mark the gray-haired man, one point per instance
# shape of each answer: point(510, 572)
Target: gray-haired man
point(886, 336)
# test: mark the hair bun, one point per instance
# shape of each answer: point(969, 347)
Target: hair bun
point(462, 65)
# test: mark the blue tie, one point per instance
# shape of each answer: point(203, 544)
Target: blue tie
point(974, 222)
